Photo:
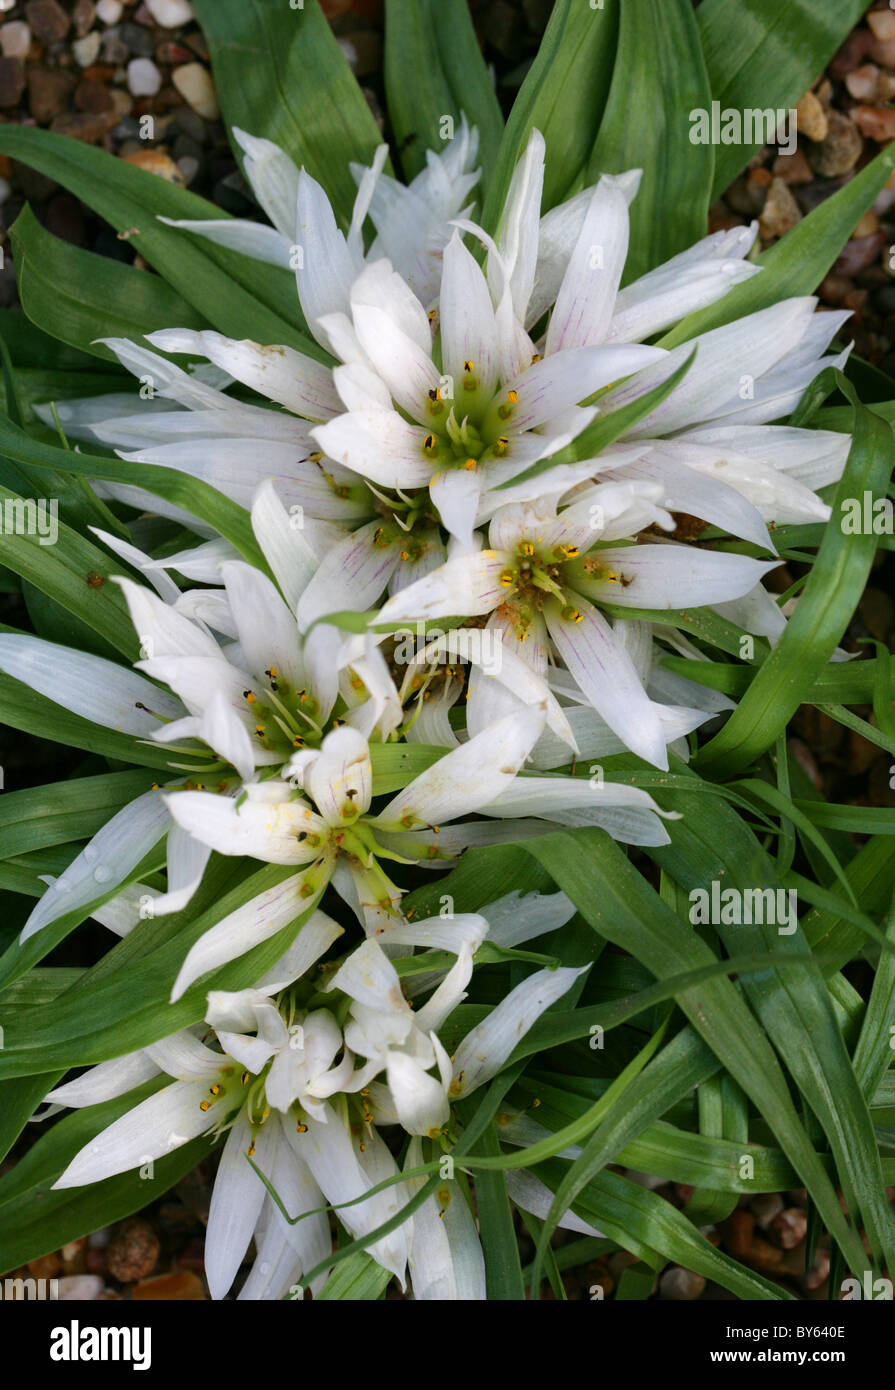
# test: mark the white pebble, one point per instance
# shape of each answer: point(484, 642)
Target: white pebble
point(109, 11)
point(6, 5)
point(195, 86)
point(143, 77)
point(170, 13)
point(79, 1287)
point(86, 50)
point(15, 39)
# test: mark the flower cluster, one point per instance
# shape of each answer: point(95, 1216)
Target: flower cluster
point(457, 592)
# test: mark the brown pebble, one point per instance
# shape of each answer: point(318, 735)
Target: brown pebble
point(852, 53)
point(739, 1231)
point(876, 122)
point(818, 1274)
point(882, 23)
point(862, 82)
point(789, 1227)
point(792, 168)
point(83, 15)
point(93, 96)
point(859, 253)
point(89, 126)
point(180, 1288)
point(133, 1251)
point(811, 118)
point(96, 1262)
point(840, 151)
point(47, 1267)
point(764, 1256)
point(780, 213)
point(12, 81)
point(157, 162)
point(868, 224)
point(48, 92)
point(48, 20)
point(764, 1207)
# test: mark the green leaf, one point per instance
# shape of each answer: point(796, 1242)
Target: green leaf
point(241, 297)
point(79, 296)
point(762, 53)
point(563, 96)
point(659, 76)
point(797, 263)
point(619, 904)
point(280, 74)
point(434, 68)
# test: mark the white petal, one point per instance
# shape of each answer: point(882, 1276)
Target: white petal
point(152, 1129)
point(236, 1201)
point(586, 297)
point(379, 445)
point(465, 586)
point(105, 1081)
point(249, 238)
point(263, 830)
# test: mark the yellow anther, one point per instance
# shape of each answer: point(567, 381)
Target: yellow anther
point(468, 366)
point(429, 441)
point(506, 578)
point(204, 1105)
point(512, 397)
point(470, 465)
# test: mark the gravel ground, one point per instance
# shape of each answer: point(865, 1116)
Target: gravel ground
point(93, 70)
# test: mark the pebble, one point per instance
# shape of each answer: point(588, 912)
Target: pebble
point(818, 1274)
point(79, 1287)
point(781, 211)
point(46, 1267)
point(143, 77)
point(739, 1230)
point(183, 1287)
point(83, 15)
point(12, 81)
point(194, 84)
point(882, 51)
point(133, 1251)
point(157, 162)
point(876, 122)
point(170, 14)
point(15, 39)
point(86, 50)
point(811, 119)
point(188, 165)
point(681, 1285)
point(789, 1228)
point(140, 41)
point(859, 253)
point(109, 11)
point(89, 126)
point(793, 168)
point(840, 151)
point(48, 20)
point(765, 1207)
point(93, 96)
point(115, 50)
point(882, 24)
point(852, 53)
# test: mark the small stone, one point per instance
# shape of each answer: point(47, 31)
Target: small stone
point(115, 50)
point(15, 39)
point(811, 119)
point(765, 1257)
point(739, 1230)
point(882, 51)
point(852, 53)
point(89, 126)
point(183, 1287)
point(12, 81)
point(188, 165)
point(862, 82)
point(859, 253)
point(159, 163)
point(765, 1207)
point(48, 92)
point(780, 212)
point(79, 1288)
point(170, 14)
point(140, 42)
point(122, 102)
point(868, 224)
point(840, 151)
point(876, 122)
point(818, 1274)
point(86, 50)
point(98, 1240)
point(194, 84)
point(93, 96)
point(681, 1285)
point(73, 1254)
point(48, 20)
point(789, 1228)
point(793, 169)
point(83, 15)
point(143, 77)
point(133, 1251)
point(882, 23)
point(109, 11)
point(47, 1267)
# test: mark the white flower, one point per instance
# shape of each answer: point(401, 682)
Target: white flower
point(412, 221)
